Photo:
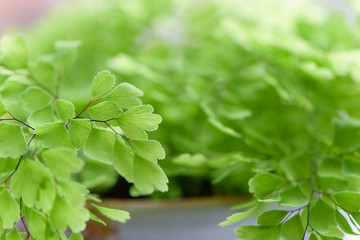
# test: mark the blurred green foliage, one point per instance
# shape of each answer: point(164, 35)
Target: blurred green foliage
point(243, 87)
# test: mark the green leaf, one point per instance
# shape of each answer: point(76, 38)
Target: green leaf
point(9, 208)
point(148, 176)
point(258, 232)
point(334, 231)
point(104, 111)
point(35, 184)
point(13, 87)
point(221, 127)
point(98, 176)
point(292, 228)
point(272, 217)
point(100, 145)
point(333, 184)
point(62, 236)
point(97, 219)
point(114, 214)
point(79, 130)
point(64, 215)
point(35, 98)
point(64, 109)
point(44, 72)
point(249, 203)
point(137, 119)
point(14, 235)
point(320, 211)
point(264, 184)
point(3, 109)
point(66, 52)
point(14, 51)
point(39, 225)
point(356, 216)
point(42, 116)
point(293, 197)
point(347, 133)
point(72, 192)
point(149, 149)
point(188, 160)
point(103, 82)
point(350, 201)
point(351, 167)
point(76, 236)
point(343, 223)
point(331, 167)
point(313, 237)
point(12, 141)
point(53, 134)
point(236, 217)
point(125, 95)
point(62, 161)
point(123, 160)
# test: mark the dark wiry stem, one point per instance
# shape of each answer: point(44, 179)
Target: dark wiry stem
point(18, 120)
point(85, 108)
point(28, 234)
point(126, 138)
point(20, 160)
point(13, 172)
point(28, 144)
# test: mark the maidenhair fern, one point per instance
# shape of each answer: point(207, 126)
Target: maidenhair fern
point(45, 141)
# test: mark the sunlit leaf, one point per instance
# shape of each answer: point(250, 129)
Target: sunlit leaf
point(103, 82)
point(114, 214)
point(12, 140)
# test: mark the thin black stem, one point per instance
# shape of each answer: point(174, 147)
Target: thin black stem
point(18, 120)
point(311, 180)
point(28, 144)
point(28, 234)
point(85, 108)
point(127, 139)
point(13, 172)
point(308, 212)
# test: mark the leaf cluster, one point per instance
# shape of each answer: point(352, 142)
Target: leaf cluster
point(46, 141)
point(267, 103)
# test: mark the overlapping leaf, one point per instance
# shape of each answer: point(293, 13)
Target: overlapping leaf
point(149, 149)
point(62, 161)
point(263, 184)
point(53, 134)
point(125, 95)
point(123, 160)
point(9, 208)
point(35, 98)
point(14, 51)
point(136, 120)
point(65, 109)
point(35, 184)
point(79, 130)
point(148, 176)
point(100, 145)
point(12, 140)
point(103, 83)
point(61, 219)
point(114, 214)
point(104, 111)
